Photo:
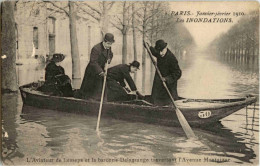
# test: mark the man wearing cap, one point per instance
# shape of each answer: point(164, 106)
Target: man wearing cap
point(91, 87)
point(117, 76)
point(170, 70)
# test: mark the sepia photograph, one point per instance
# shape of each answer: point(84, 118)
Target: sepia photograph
point(95, 82)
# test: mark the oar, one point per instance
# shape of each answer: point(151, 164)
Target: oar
point(185, 125)
point(102, 96)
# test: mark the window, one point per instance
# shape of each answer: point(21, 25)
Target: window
point(51, 25)
point(16, 34)
point(35, 37)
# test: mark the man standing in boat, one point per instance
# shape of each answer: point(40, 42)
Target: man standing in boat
point(117, 76)
point(170, 70)
point(91, 87)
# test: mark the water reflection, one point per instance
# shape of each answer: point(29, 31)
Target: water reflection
point(118, 139)
point(73, 136)
point(229, 144)
point(10, 108)
point(30, 73)
point(242, 64)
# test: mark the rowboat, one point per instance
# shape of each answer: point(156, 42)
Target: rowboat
point(198, 112)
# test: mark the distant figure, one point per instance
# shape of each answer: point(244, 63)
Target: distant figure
point(115, 81)
point(56, 82)
point(170, 70)
point(91, 87)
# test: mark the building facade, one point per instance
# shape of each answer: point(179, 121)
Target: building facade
point(42, 32)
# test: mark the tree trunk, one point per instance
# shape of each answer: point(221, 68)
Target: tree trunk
point(89, 41)
point(152, 41)
point(8, 40)
point(124, 33)
point(143, 66)
point(74, 46)
point(134, 37)
point(144, 51)
point(124, 48)
point(104, 21)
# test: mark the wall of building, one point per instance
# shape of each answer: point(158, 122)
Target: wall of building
point(26, 20)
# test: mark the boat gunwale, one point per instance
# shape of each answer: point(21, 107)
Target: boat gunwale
point(238, 101)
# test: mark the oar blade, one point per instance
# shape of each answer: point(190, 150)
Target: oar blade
point(185, 125)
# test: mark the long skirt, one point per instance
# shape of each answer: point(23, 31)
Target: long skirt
point(61, 86)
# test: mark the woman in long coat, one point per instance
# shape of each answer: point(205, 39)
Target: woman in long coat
point(170, 70)
point(91, 87)
point(56, 82)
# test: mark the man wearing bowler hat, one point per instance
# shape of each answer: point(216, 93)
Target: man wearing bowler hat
point(170, 70)
point(91, 87)
point(116, 78)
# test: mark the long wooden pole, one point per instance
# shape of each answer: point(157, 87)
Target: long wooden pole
point(102, 96)
point(184, 123)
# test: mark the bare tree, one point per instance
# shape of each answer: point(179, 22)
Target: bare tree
point(144, 18)
point(99, 11)
point(122, 23)
point(153, 29)
point(69, 10)
point(74, 42)
point(144, 25)
point(241, 40)
point(134, 36)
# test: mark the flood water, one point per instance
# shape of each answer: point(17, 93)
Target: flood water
point(39, 136)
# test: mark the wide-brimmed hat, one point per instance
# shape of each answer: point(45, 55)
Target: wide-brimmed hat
point(160, 45)
point(135, 64)
point(109, 37)
point(57, 57)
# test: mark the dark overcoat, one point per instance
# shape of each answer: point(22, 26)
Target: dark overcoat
point(56, 82)
point(117, 76)
point(91, 87)
point(170, 70)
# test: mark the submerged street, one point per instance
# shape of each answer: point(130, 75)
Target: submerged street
point(38, 136)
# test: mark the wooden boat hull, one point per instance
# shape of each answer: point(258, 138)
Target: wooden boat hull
point(193, 109)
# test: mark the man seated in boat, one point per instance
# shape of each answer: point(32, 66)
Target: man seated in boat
point(56, 82)
point(116, 77)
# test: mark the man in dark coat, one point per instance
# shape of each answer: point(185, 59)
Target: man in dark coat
point(170, 70)
point(91, 87)
point(117, 76)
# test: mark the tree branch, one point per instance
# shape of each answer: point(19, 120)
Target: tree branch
point(150, 16)
point(120, 21)
point(65, 11)
point(139, 29)
point(90, 14)
point(54, 11)
point(116, 26)
point(111, 5)
point(92, 8)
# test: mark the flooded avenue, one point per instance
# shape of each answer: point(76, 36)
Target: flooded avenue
point(39, 136)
